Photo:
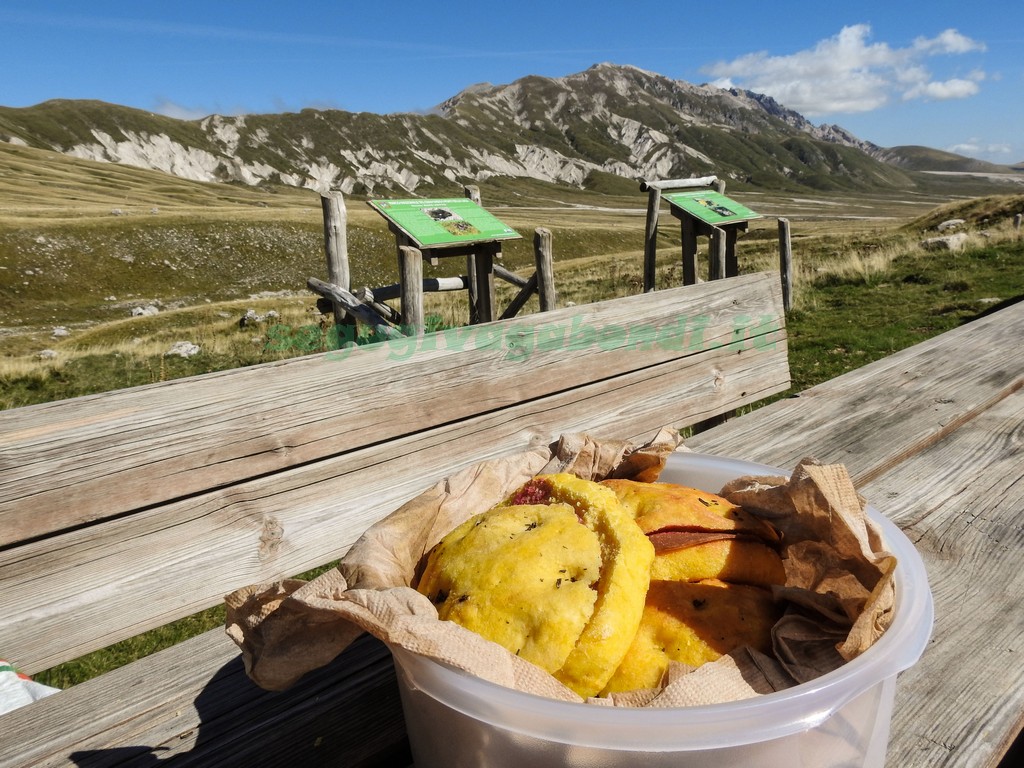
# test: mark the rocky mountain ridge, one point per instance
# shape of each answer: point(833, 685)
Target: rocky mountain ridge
point(603, 128)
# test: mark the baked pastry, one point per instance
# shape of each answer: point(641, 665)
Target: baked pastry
point(694, 623)
point(558, 574)
point(521, 576)
point(709, 592)
point(699, 535)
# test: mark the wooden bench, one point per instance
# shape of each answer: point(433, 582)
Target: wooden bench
point(123, 511)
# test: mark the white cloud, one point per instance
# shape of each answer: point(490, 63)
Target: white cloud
point(847, 73)
point(949, 41)
point(957, 88)
point(978, 148)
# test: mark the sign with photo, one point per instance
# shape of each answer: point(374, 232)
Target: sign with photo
point(443, 222)
point(710, 207)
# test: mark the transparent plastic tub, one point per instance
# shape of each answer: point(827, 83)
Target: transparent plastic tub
point(840, 720)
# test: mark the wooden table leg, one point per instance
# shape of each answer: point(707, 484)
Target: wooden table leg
point(689, 235)
point(410, 275)
point(484, 261)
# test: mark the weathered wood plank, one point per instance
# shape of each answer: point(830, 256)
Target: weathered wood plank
point(876, 416)
point(194, 704)
point(343, 298)
point(933, 435)
point(934, 438)
point(966, 523)
point(113, 580)
point(200, 486)
point(74, 462)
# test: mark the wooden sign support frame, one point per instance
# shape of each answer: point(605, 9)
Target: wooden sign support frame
point(722, 261)
point(480, 267)
point(368, 305)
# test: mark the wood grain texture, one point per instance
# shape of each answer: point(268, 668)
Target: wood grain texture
point(194, 704)
point(876, 416)
point(934, 437)
point(960, 502)
point(121, 512)
point(283, 471)
point(112, 580)
point(74, 462)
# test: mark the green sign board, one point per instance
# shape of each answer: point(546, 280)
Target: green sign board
point(443, 222)
point(710, 207)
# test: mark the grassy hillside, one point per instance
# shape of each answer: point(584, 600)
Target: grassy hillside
point(588, 131)
point(927, 159)
point(41, 184)
point(84, 245)
point(206, 255)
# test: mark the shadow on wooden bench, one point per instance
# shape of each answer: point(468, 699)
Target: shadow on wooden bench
point(124, 511)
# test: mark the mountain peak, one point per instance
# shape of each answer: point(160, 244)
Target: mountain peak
point(606, 127)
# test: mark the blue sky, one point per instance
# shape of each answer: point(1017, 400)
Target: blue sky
point(942, 74)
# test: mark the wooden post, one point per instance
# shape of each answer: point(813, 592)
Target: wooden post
point(732, 261)
point(716, 253)
point(544, 259)
point(336, 248)
point(410, 272)
point(472, 192)
point(786, 264)
point(1016, 222)
point(483, 262)
point(365, 313)
point(689, 238)
point(651, 239)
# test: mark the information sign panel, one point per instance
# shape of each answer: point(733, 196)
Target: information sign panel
point(710, 207)
point(443, 222)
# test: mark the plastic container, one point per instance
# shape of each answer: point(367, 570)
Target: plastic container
point(839, 720)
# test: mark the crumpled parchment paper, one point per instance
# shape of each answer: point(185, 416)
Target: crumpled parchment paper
point(838, 595)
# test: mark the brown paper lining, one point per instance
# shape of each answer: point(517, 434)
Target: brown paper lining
point(838, 597)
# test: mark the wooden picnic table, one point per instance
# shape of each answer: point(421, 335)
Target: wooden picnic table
point(934, 438)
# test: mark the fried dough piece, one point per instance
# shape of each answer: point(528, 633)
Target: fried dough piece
point(693, 623)
point(667, 506)
point(699, 535)
point(695, 557)
point(521, 576)
point(626, 558)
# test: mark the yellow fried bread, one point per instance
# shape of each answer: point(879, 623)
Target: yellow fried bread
point(699, 535)
point(603, 593)
point(668, 506)
point(522, 576)
point(557, 573)
point(626, 558)
point(708, 593)
point(693, 623)
point(696, 556)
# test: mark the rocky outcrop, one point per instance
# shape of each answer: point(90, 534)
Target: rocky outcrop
point(954, 243)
